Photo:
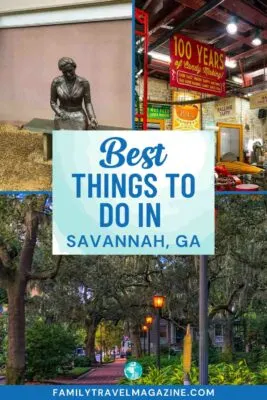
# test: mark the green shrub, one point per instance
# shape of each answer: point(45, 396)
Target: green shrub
point(49, 347)
point(164, 349)
point(2, 360)
point(107, 359)
point(219, 374)
point(253, 358)
point(232, 374)
point(262, 375)
point(215, 355)
point(82, 361)
point(227, 356)
point(3, 337)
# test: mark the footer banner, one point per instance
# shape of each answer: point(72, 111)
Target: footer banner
point(33, 392)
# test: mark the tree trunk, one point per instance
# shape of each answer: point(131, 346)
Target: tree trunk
point(228, 338)
point(16, 333)
point(135, 338)
point(90, 340)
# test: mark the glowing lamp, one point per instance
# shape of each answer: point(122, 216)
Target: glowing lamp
point(144, 328)
point(149, 320)
point(158, 301)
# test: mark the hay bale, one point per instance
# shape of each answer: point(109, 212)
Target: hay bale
point(21, 160)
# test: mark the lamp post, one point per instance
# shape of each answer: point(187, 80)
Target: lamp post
point(149, 320)
point(144, 329)
point(158, 303)
point(203, 321)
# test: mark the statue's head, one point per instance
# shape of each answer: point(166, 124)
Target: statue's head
point(67, 65)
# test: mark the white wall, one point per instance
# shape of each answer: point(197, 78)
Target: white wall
point(22, 5)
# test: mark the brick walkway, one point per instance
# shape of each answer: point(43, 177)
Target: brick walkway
point(108, 374)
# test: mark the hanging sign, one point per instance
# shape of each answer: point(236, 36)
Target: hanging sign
point(159, 111)
point(258, 100)
point(125, 192)
point(197, 66)
point(185, 117)
point(225, 108)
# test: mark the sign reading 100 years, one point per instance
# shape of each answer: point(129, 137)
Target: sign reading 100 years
point(126, 192)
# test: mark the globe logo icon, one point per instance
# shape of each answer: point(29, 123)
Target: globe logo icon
point(133, 370)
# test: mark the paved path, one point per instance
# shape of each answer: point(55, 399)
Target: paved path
point(108, 374)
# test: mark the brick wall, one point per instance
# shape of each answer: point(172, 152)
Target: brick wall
point(244, 116)
point(157, 90)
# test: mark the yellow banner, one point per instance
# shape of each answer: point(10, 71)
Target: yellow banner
point(258, 100)
point(185, 117)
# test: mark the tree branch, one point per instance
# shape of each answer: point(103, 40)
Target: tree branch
point(226, 307)
point(3, 275)
point(41, 276)
point(221, 307)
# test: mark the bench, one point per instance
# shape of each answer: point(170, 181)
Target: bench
point(46, 126)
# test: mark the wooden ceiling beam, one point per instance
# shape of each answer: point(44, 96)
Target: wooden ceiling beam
point(211, 4)
point(246, 54)
point(216, 13)
point(247, 12)
point(240, 40)
point(166, 20)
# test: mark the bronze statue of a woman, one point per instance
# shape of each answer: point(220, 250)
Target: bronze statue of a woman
point(71, 91)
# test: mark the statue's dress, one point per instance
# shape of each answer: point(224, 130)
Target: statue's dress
point(70, 101)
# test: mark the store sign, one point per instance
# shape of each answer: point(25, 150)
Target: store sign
point(197, 66)
point(125, 192)
point(185, 117)
point(225, 108)
point(156, 111)
point(258, 100)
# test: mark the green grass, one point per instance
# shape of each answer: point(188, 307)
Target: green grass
point(76, 372)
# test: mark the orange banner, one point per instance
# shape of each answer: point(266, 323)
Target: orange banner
point(185, 117)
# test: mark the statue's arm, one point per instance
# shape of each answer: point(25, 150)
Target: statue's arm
point(53, 99)
point(89, 106)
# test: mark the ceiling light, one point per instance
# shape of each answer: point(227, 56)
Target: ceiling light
point(231, 27)
point(236, 79)
point(160, 56)
point(230, 63)
point(256, 42)
point(257, 39)
point(167, 27)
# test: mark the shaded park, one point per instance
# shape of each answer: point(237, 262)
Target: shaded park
point(66, 316)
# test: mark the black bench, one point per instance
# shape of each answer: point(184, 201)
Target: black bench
point(46, 126)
